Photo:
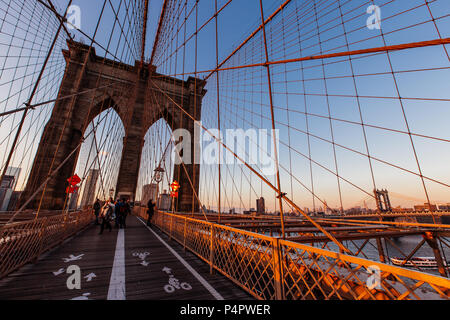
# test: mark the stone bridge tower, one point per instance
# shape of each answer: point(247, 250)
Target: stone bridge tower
point(139, 95)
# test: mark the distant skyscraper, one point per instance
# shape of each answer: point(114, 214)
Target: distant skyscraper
point(261, 206)
point(6, 191)
point(14, 200)
point(8, 185)
point(89, 190)
point(8, 182)
point(150, 191)
point(15, 172)
point(73, 201)
point(164, 202)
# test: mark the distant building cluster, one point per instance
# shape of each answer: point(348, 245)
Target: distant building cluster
point(432, 207)
point(164, 201)
point(260, 208)
point(151, 192)
point(90, 188)
point(443, 207)
point(208, 210)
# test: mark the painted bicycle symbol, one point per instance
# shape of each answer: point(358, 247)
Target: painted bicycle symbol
point(141, 256)
point(174, 284)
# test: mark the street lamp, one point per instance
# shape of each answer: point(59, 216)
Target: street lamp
point(159, 174)
point(158, 178)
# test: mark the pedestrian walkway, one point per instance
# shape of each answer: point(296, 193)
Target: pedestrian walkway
point(137, 263)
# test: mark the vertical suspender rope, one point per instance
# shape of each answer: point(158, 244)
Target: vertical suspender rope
point(280, 195)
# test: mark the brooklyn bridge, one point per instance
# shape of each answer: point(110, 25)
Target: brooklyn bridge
point(224, 150)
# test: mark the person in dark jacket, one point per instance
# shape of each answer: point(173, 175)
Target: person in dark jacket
point(124, 211)
point(97, 208)
point(118, 204)
point(150, 211)
point(127, 212)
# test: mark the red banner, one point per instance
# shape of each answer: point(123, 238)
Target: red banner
point(73, 181)
point(72, 189)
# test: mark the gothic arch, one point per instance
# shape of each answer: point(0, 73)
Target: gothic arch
point(156, 151)
point(139, 98)
point(110, 135)
point(103, 105)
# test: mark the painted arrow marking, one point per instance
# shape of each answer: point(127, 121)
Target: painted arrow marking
point(73, 258)
point(83, 297)
point(142, 256)
point(167, 270)
point(60, 271)
point(90, 277)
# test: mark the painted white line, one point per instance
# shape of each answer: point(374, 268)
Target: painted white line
point(202, 280)
point(117, 283)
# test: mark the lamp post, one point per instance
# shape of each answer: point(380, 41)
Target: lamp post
point(158, 177)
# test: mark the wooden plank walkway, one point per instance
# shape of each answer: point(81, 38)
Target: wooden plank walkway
point(139, 266)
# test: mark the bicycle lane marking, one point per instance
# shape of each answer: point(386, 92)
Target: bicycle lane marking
point(47, 278)
point(202, 280)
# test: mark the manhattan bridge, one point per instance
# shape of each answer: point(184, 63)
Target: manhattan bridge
point(295, 149)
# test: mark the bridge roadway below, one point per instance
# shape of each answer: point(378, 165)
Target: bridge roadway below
point(135, 263)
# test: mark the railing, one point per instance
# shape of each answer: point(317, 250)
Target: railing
point(24, 216)
point(273, 269)
point(21, 243)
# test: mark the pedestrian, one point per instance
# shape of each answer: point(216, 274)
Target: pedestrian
point(117, 214)
point(106, 217)
point(127, 212)
point(150, 211)
point(97, 208)
point(122, 213)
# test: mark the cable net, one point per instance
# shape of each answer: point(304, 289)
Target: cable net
point(317, 103)
point(356, 90)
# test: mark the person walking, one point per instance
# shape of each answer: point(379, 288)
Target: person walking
point(117, 214)
point(97, 208)
point(127, 206)
point(106, 217)
point(122, 213)
point(150, 211)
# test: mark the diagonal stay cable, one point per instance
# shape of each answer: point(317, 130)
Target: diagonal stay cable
point(52, 174)
point(33, 106)
point(281, 195)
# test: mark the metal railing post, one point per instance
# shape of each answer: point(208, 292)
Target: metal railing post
point(41, 239)
point(171, 228)
point(432, 242)
point(185, 230)
point(211, 251)
point(277, 270)
point(64, 224)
